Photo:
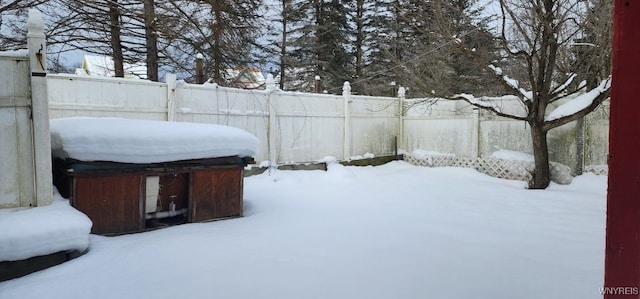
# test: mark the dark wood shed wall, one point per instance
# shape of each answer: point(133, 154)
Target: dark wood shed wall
point(116, 201)
point(214, 193)
point(113, 203)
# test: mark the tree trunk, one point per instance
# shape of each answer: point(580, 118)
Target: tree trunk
point(283, 47)
point(359, 45)
point(217, 42)
point(151, 40)
point(116, 43)
point(541, 175)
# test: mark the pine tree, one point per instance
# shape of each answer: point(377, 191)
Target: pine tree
point(408, 49)
point(472, 46)
point(319, 43)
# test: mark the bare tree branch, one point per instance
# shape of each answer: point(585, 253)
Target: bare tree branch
point(485, 105)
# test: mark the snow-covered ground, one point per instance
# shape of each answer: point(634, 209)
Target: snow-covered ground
point(393, 231)
point(29, 232)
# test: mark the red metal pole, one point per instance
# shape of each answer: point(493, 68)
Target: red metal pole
point(622, 254)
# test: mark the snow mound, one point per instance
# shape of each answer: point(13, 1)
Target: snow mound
point(43, 230)
point(512, 156)
point(367, 155)
point(146, 141)
point(15, 53)
point(329, 160)
point(424, 154)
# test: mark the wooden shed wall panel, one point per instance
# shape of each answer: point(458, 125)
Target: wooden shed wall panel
point(111, 202)
point(216, 193)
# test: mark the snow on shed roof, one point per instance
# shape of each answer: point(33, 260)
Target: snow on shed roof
point(146, 141)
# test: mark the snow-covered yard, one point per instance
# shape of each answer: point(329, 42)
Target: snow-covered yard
point(393, 231)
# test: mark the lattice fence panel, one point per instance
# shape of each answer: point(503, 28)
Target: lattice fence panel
point(597, 169)
point(506, 169)
point(424, 162)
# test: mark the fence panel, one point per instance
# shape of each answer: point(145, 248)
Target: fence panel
point(309, 126)
point(441, 126)
point(375, 125)
point(498, 133)
point(596, 137)
point(242, 109)
point(72, 95)
point(16, 152)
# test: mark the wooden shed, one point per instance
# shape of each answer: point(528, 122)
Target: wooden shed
point(122, 198)
point(132, 175)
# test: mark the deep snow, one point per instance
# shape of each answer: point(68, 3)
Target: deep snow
point(393, 231)
point(29, 232)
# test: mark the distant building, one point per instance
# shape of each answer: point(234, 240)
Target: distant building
point(243, 77)
point(103, 66)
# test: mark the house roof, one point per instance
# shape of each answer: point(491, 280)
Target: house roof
point(95, 65)
point(245, 77)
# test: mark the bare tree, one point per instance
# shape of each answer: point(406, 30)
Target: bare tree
point(542, 32)
point(97, 27)
point(18, 4)
point(12, 17)
point(151, 39)
point(116, 42)
point(126, 30)
point(225, 32)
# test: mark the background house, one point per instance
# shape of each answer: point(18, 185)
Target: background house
point(244, 77)
point(95, 65)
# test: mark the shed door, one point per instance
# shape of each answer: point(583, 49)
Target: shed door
point(111, 202)
point(216, 193)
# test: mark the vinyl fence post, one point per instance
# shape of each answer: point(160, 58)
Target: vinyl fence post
point(475, 133)
point(271, 126)
point(40, 109)
point(170, 79)
point(580, 130)
point(346, 94)
point(317, 84)
point(402, 92)
point(199, 68)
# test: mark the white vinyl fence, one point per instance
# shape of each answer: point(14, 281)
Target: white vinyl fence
point(292, 127)
point(455, 127)
point(25, 151)
point(304, 127)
